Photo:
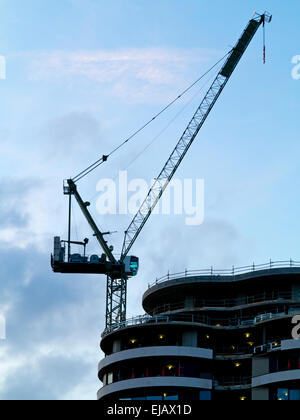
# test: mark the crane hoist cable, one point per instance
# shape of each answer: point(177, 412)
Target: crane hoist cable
point(162, 131)
point(168, 125)
point(75, 223)
point(264, 43)
point(104, 158)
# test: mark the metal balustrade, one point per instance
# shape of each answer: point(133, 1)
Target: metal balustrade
point(234, 271)
point(232, 381)
point(274, 297)
point(201, 319)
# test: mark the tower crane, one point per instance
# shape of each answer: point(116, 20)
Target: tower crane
point(118, 271)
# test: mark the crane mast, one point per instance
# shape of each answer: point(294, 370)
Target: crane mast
point(118, 272)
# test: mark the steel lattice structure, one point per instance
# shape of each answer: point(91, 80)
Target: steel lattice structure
point(189, 135)
point(116, 271)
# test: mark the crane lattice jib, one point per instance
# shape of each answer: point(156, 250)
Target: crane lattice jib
point(185, 142)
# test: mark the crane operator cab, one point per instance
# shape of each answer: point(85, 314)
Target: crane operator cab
point(131, 266)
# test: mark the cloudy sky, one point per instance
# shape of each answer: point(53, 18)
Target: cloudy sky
point(82, 75)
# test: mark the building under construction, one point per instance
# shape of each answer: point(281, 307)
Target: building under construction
point(205, 336)
point(209, 336)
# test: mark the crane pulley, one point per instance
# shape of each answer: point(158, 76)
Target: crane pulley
point(119, 270)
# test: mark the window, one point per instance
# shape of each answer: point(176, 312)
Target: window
point(284, 362)
point(283, 394)
point(110, 378)
point(294, 395)
point(155, 371)
point(171, 398)
point(125, 373)
point(171, 369)
point(105, 380)
point(205, 396)
point(293, 362)
point(273, 365)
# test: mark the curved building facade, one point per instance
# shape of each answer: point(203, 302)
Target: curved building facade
point(209, 336)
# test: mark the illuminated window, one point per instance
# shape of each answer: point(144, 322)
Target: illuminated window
point(171, 370)
point(283, 394)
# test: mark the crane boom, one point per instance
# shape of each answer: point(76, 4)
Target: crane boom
point(190, 134)
point(118, 271)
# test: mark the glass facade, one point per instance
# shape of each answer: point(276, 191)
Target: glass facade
point(286, 394)
point(162, 367)
point(178, 395)
point(282, 362)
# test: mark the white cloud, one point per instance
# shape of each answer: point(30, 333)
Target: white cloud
point(137, 74)
point(51, 350)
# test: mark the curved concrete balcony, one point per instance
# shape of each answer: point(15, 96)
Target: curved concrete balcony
point(287, 345)
point(151, 352)
point(202, 321)
point(158, 382)
point(274, 378)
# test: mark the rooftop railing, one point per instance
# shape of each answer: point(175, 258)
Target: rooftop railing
point(234, 271)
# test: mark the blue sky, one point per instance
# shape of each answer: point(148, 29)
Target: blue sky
point(82, 75)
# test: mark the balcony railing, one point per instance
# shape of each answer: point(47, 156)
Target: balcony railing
point(266, 348)
point(274, 297)
point(234, 271)
point(201, 319)
point(223, 351)
point(232, 381)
